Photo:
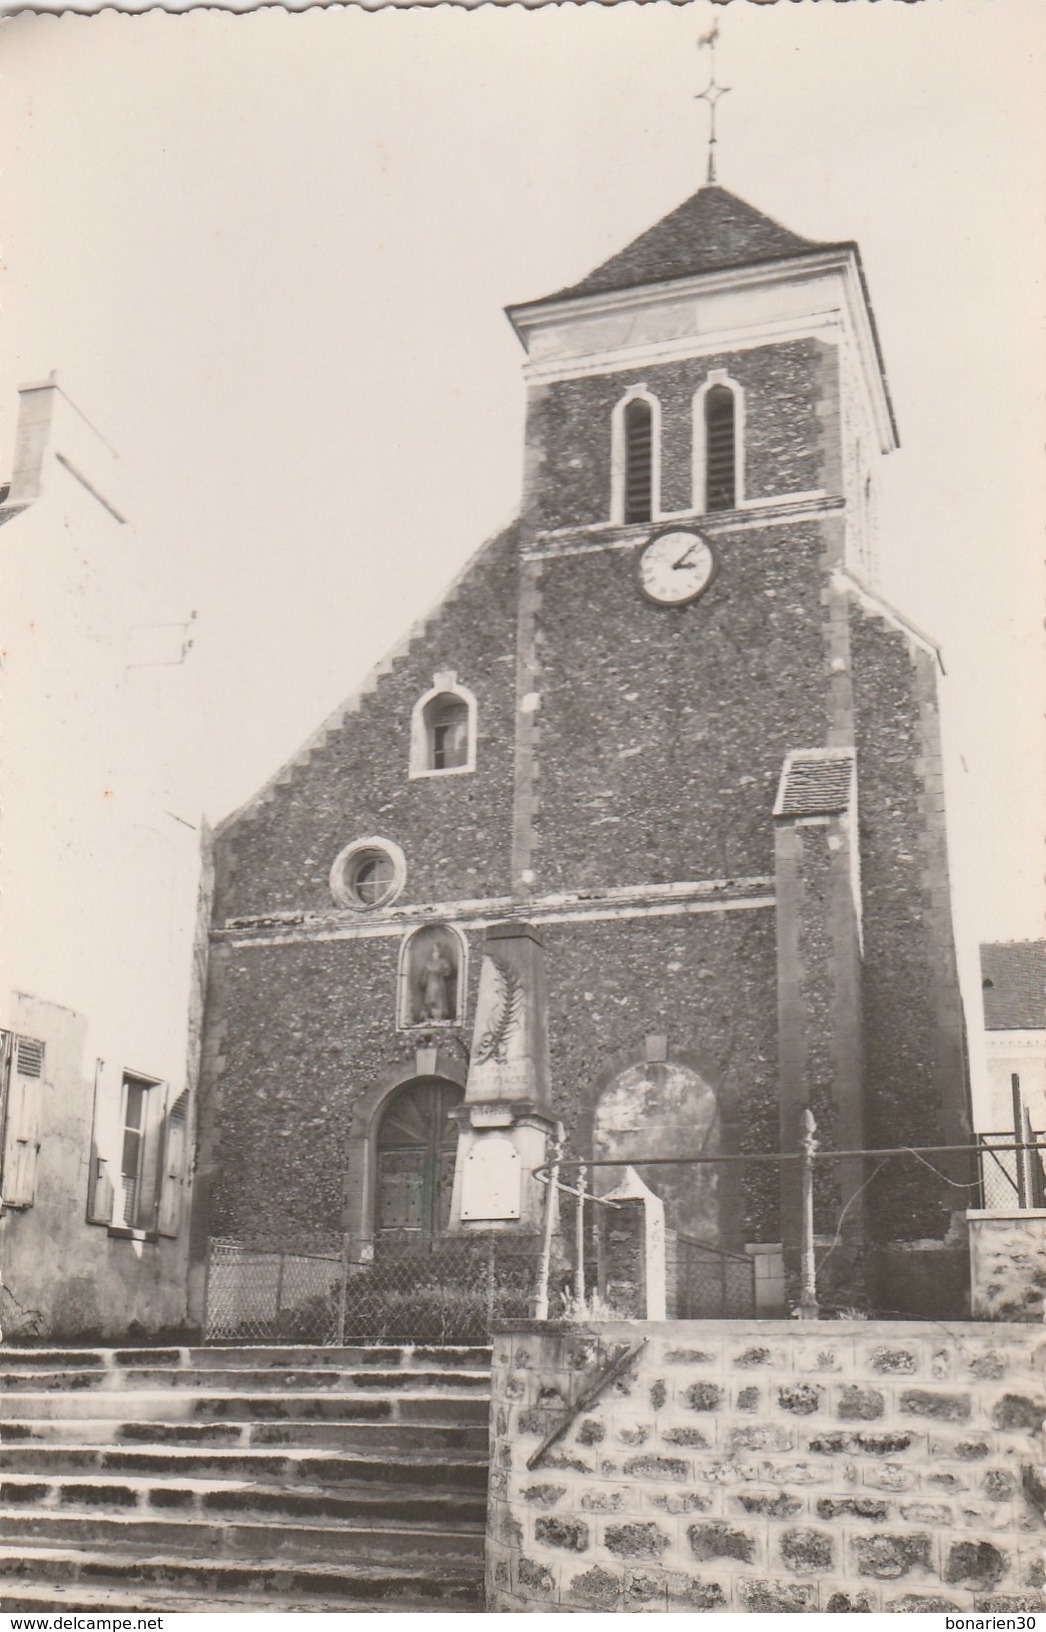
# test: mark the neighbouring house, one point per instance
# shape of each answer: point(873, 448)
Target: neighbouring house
point(1013, 983)
point(100, 867)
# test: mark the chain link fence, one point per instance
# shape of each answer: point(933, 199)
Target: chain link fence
point(270, 1297)
point(1011, 1178)
point(443, 1291)
point(706, 1283)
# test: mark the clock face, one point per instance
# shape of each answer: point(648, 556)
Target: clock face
point(676, 566)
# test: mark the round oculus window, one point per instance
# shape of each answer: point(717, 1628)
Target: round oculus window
point(368, 874)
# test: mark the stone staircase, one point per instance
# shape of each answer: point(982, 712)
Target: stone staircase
point(279, 1479)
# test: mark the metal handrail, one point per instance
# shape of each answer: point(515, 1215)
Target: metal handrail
point(783, 1156)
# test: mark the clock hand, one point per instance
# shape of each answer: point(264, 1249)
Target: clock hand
point(684, 559)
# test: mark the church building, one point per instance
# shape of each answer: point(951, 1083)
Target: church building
point(639, 836)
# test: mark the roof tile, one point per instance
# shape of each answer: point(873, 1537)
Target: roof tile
point(710, 232)
point(814, 783)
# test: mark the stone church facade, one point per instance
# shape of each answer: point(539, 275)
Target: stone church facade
point(665, 742)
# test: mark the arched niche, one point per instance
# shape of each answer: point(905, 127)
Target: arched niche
point(664, 1108)
point(432, 977)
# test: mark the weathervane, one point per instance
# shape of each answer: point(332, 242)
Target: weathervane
point(711, 93)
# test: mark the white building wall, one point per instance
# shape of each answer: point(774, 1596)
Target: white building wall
point(100, 855)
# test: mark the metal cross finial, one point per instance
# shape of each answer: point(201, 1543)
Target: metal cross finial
point(711, 93)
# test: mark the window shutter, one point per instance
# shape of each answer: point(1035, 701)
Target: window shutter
point(172, 1177)
point(100, 1197)
point(22, 1130)
point(639, 461)
point(100, 1200)
point(720, 449)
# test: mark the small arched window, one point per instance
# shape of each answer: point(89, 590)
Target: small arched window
point(443, 729)
point(639, 461)
point(720, 449)
point(447, 728)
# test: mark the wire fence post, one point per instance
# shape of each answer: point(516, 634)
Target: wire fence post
point(551, 1196)
point(808, 1309)
point(280, 1261)
point(491, 1277)
point(579, 1237)
point(343, 1291)
point(1023, 1157)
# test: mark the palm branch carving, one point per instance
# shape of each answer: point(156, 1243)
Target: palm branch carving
point(508, 1012)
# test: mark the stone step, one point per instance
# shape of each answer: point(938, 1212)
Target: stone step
point(169, 1405)
point(88, 1598)
point(422, 1441)
point(294, 1464)
point(426, 1356)
point(249, 1357)
point(334, 1541)
point(203, 1496)
point(456, 1584)
point(212, 1380)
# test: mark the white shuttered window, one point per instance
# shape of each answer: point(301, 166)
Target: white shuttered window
point(23, 1086)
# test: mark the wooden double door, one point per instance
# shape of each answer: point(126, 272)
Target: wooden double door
point(417, 1144)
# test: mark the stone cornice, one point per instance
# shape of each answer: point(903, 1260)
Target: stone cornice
point(631, 901)
point(588, 540)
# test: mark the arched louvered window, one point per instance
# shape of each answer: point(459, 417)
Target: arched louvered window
point(639, 461)
point(720, 448)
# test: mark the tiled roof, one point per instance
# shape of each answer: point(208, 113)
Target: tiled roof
point(711, 232)
point(815, 783)
point(1013, 975)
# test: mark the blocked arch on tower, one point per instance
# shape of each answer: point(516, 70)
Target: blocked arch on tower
point(671, 1107)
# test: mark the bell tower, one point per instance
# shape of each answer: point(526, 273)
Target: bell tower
point(704, 413)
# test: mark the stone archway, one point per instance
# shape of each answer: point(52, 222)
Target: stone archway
point(362, 1155)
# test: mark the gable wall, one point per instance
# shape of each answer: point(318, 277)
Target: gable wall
point(454, 831)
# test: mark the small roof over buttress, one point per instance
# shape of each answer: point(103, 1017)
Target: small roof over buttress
point(816, 782)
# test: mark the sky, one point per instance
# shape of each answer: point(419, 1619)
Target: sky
point(268, 256)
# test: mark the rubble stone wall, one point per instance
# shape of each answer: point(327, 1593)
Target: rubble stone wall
point(769, 1465)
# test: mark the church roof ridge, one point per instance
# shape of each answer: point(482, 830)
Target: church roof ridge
point(711, 231)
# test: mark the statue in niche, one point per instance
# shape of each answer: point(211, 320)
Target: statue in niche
point(433, 972)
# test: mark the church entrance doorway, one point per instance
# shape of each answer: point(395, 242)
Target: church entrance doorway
point(416, 1147)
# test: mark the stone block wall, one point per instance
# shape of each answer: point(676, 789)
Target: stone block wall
point(1008, 1265)
point(768, 1465)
